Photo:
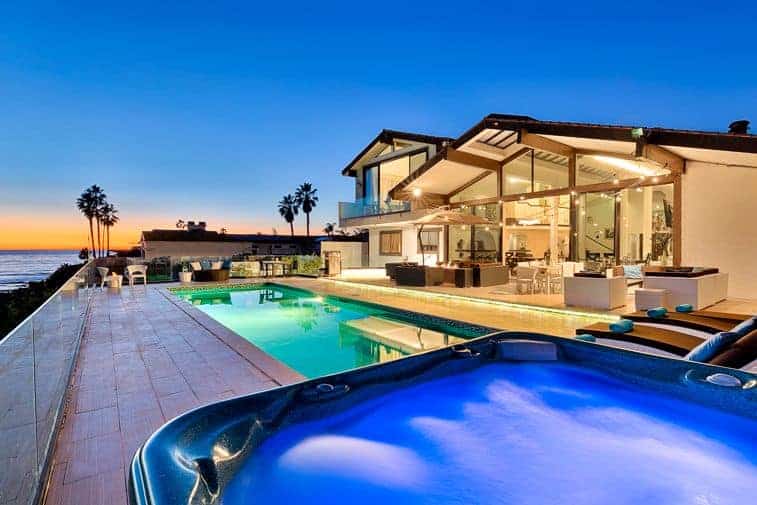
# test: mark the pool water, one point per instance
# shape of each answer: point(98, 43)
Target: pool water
point(514, 434)
point(322, 335)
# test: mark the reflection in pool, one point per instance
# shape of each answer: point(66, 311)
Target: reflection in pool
point(321, 335)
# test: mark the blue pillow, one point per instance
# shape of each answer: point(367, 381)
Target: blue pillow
point(713, 346)
point(684, 308)
point(745, 327)
point(586, 337)
point(226, 265)
point(205, 264)
point(657, 312)
point(622, 326)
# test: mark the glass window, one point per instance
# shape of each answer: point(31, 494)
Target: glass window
point(596, 227)
point(517, 175)
point(485, 188)
point(370, 183)
point(416, 160)
point(550, 171)
point(392, 172)
point(646, 220)
point(390, 243)
point(429, 240)
point(530, 229)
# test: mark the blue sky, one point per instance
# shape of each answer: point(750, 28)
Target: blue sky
point(213, 110)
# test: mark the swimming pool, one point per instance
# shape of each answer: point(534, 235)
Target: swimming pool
point(318, 335)
point(477, 423)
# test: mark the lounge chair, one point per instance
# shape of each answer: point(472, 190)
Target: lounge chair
point(737, 354)
point(104, 277)
point(670, 341)
point(700, 320)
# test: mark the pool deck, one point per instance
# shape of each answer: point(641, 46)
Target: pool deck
point(146, 357)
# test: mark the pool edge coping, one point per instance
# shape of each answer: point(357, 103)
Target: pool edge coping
point(276, 370)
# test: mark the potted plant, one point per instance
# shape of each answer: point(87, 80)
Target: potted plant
point(185, 274)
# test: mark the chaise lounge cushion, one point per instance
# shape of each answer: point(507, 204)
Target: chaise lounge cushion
point(740, 354)
point(745, 327)
point(711, 347)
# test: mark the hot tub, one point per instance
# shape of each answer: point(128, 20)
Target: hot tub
point(514, 418)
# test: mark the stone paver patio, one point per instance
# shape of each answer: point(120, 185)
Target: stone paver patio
point(144, 359)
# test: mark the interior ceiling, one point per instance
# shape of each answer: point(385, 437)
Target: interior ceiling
point(713, 156)
point(445, 176)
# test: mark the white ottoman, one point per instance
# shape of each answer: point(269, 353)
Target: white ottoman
point(650, 298)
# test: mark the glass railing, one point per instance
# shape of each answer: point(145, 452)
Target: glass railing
point(363, 208)
point(36, 360)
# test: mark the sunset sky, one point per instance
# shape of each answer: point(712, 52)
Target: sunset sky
point(213, 110)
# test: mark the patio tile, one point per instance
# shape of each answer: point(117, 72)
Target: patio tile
point(93, 456)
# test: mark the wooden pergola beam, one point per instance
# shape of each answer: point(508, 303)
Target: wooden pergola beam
point(471, 159)
point(468, 184)
point(661, 156)
point(545, 144)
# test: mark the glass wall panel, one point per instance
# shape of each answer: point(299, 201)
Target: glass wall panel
point(370, 184)
point(416, 160)
point(531, 223)
point(392, 172)
point(596, 227)
point(517, 175)
point(482, 243)
point(550, 171)
point(485, 188)
point(647, 224)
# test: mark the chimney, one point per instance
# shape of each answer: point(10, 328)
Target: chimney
point(739, 127)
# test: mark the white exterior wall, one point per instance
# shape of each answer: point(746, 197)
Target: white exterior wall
point(719, 228)
point(409, 247)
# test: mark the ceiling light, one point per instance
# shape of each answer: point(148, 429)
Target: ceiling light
point(417, 192)
point(631, 166)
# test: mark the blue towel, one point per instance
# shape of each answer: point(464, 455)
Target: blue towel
point(684, 308)
point(622, 326)
point(657, 312)
point(226, 265)
point(586, 337)
point(713, 346)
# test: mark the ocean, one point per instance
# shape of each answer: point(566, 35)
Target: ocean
point(17, 268)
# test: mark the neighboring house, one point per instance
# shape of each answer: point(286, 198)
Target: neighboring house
point(201, 242)
point(573, 190)
point(386, 161)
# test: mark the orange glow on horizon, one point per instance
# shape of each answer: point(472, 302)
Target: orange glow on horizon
point(72, 232)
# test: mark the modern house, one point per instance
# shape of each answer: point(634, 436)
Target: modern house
point(579, 191)
point(201, 242)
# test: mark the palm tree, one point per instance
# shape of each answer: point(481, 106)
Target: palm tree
point(89, 203)
point(288, 208)
point(109, 219)
point(305, 196)
point(99, 199)
point(329, 229)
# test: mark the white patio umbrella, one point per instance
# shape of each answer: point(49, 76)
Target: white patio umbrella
point(447, 217)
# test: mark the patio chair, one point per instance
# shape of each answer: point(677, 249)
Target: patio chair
point(525, 276)
point(104, 277)
point(134, 272)
point(691, 320)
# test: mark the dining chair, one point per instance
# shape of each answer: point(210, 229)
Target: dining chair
point(525, 276)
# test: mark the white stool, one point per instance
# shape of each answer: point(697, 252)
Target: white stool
point(648, 298)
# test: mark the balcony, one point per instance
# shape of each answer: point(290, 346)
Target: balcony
point(361, 208)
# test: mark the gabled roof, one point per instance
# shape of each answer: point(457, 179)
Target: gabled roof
point(387, 137)
point(654, 135)
point(498, 137)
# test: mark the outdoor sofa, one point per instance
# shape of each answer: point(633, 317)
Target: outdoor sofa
point(206, 271)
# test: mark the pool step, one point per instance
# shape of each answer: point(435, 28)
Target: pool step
point(526, 350)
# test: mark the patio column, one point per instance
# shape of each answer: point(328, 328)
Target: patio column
point(554, 216)
point(505, 233)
